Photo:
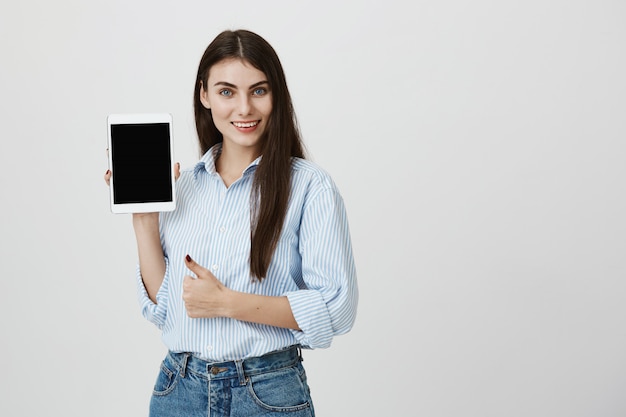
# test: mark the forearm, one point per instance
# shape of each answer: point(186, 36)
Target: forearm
point(262, 309)
point(151, 259)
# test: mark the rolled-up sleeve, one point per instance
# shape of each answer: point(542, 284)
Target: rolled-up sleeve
point(327, 306)
point(154, 312)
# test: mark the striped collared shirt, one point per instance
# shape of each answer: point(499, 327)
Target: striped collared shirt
point(312, 265)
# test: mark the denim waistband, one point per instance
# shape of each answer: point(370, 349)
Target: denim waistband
point(240, 368)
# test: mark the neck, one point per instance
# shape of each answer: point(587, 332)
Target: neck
point(232, 162)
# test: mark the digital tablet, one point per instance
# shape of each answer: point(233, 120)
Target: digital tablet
point(140, 148)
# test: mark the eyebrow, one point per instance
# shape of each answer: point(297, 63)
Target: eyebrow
point(226, 84)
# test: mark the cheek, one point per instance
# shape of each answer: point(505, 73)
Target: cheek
point(220, 114)
point(266, 108)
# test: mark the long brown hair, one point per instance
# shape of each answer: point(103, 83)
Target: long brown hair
point(280, 142)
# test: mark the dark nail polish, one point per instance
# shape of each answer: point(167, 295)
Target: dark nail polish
point(188, 258)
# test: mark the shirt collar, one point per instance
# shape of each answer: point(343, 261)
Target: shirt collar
point(207, 162)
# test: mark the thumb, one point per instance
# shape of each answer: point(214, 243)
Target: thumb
point(194, 267)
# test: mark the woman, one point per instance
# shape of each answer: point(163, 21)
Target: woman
point(256, 262)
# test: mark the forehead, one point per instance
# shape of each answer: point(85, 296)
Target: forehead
point(235, 71)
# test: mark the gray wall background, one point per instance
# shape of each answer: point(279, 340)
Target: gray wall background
point(480, 150)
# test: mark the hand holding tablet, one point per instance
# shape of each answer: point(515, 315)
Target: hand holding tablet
point(140, 156)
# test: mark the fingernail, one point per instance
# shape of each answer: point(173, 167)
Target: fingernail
point(108, 170)
point(188, 258)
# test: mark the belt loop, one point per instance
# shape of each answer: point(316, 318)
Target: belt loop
point(243, 380)
point(184, 364)
point(299, 348)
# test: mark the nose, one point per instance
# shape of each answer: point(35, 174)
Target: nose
point(244, 105)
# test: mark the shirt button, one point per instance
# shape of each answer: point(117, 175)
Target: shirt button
point(215, 267)
point(222, 229)
point(209, 348)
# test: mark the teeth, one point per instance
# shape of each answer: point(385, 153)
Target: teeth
point(249, 124)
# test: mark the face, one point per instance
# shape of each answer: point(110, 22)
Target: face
point(240, 101)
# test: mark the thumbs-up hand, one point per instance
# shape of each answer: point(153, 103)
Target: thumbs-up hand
point(204, 296)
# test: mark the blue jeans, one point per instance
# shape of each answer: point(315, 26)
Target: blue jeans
point(270, 385)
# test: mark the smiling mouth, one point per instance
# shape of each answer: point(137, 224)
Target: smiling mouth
point(245, 124)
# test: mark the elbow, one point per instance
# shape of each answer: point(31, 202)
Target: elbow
point(345, 317)
point(345, 323)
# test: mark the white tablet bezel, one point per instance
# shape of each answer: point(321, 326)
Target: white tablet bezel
point(140, 118)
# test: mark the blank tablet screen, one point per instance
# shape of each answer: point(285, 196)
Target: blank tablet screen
point(142, 163)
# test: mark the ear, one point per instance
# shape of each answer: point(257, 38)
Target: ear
point(204, 97)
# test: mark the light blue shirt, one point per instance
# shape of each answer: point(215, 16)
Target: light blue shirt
point(312, 265)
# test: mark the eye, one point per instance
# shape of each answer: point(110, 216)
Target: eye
point(226, 92)
point(261, 91)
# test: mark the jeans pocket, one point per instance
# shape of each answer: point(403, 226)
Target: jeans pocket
point(167, 378)
point(282, 390)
